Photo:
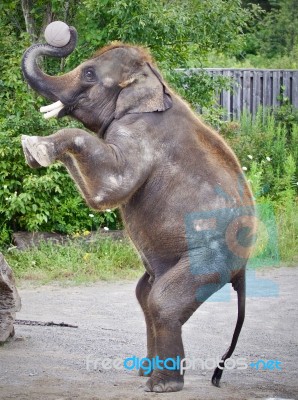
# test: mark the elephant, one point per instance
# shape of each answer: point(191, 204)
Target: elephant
point(184, 201)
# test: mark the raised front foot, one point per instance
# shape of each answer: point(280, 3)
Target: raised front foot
point(161, 382)
point(38, 152)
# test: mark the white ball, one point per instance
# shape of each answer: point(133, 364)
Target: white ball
point(57, 34)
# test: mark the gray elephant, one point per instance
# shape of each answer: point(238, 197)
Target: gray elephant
point(184, 201)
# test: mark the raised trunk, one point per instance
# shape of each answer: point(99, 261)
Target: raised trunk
point(44, 84)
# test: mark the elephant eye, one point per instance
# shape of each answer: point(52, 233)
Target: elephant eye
point(89, 75)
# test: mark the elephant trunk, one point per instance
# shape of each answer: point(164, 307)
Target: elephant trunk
point(44, 84)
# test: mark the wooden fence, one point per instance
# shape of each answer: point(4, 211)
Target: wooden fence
point(252, 88)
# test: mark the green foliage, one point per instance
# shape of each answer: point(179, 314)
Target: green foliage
point(287, 223)
point(288, 61)
point(273, 40)
point(175, 31)
point(76, 261)
point(287, 115)
point(279, 29)
point(267, 148)
point(198, 87)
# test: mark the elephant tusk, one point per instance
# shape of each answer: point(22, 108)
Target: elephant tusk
point(51, 107)
point(52, 110)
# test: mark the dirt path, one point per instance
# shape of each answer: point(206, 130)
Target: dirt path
point(51, 362)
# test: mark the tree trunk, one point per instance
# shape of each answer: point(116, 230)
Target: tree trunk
point(29, 20)
point(65, 19)
point(36, 32)
point(47, 19)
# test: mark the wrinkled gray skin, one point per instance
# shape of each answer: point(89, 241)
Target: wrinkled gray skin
point(169, 174)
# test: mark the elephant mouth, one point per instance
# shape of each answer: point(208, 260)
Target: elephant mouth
point(52, 110)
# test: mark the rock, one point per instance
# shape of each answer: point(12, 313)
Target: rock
point(10, 301)
point(26, 240)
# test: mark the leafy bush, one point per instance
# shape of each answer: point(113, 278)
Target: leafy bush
point(287, 115)
point(267, 148)
point(268, 145)
point(176, 32)
point(197, 86)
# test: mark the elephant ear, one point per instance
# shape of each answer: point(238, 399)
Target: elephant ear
point(143, 93)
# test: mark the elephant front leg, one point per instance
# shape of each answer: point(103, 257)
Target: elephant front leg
point(106, 173)
point(41, 151)
point(75, 148)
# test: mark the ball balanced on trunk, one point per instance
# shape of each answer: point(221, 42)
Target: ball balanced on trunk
point(57, 34)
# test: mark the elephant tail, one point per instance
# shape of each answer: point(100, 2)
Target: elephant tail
point(240, 287)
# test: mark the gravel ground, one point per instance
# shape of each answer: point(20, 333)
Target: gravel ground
point(51, 362)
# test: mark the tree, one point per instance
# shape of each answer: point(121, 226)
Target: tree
point(175, 31)
point(276, 33)
point(279, 32)
point(264, 4)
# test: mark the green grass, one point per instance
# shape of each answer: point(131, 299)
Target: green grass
point(76, 262)
point(287, 226)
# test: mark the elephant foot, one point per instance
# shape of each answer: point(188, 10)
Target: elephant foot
point(161, 383)
point(29, 159)
point(38, 152)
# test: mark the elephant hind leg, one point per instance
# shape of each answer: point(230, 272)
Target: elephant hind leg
point(239, 285)
point(172, 300)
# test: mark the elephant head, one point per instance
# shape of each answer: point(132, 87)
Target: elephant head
point(117, 80)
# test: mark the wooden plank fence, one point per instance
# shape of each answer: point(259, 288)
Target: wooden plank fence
point(251, 88)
